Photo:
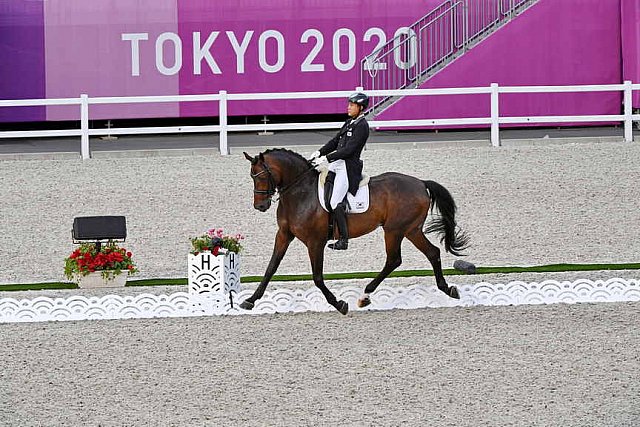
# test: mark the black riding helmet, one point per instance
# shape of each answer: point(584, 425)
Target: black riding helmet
point(360, 99)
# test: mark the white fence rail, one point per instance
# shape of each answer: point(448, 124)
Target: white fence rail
point(223, 98)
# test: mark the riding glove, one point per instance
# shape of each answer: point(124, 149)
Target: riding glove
point(315, 155)
point(319, 161)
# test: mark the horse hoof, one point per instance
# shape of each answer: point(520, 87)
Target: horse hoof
point(363, 302)
point(342, 307)
point(453, 292)
point(246, 305)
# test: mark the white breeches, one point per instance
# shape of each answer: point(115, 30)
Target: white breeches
point(341, 183)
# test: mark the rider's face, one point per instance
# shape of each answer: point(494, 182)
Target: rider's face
point(353, 109)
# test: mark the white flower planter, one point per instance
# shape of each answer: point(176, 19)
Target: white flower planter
point(214, 278)
point(95, 280)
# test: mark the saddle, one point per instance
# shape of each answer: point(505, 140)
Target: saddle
point(355, 204)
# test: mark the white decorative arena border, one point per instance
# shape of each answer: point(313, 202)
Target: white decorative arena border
point(183, 304)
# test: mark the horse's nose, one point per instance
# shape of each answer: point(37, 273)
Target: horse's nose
point(262, 206)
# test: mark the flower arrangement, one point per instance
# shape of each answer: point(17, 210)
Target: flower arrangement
point(111, 259)
point(216, 241)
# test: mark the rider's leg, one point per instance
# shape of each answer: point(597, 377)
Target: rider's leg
point(328, 189)
point(338, 203)
point(341, 220)
point(340, 183)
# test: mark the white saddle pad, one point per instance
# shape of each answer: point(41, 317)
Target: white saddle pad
point(356, 204)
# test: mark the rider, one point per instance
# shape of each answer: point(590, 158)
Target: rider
point(342, 153)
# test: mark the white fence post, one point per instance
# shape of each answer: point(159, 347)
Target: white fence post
point(84, 127)
point(628, 111)
point(495, 115)
point(224, 149)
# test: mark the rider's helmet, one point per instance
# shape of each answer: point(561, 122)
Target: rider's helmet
point(360, 99)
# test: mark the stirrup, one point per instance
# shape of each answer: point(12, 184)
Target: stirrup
point(340, 245)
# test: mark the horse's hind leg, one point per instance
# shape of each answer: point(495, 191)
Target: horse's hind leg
point(432, 252)
point(392, 242)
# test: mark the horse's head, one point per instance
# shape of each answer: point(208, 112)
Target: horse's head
point(264, 185)
point(278, 169)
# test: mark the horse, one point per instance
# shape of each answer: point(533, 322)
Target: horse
point(398, 202)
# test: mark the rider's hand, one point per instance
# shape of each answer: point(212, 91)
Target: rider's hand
point(315, 155)
point(319, 161)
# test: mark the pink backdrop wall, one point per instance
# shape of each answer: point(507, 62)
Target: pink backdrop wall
point(544, 46)
point(293, 65)
point(85, 53)
point(156, 47)
point(630, 13)
point(187, 47)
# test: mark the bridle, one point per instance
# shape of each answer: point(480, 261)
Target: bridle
point(272, 188)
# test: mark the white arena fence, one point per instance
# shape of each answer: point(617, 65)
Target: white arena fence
point(223, 98)
point(189, 304)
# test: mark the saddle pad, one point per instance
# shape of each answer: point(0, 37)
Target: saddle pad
point(355, 204)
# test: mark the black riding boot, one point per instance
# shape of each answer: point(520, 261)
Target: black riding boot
point(328, 189)
point(341, 220)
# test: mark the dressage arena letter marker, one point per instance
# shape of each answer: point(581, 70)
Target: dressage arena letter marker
point(206, 262)
point(213, 279)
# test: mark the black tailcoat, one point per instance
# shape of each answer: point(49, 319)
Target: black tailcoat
point(348, 145)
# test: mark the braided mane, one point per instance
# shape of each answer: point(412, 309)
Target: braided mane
point(286, 151)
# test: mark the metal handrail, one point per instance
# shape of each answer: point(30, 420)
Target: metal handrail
point(404, 73)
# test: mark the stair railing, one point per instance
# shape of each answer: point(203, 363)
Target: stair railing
point(420, 50)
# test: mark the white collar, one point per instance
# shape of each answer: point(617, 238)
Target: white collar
point(357, 118)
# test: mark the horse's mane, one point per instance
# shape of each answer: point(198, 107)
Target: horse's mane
point(286, 151)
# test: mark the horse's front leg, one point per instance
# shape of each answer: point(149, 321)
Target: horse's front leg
point(316, 256)
point(283, 239)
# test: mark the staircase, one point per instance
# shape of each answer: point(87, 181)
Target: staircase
point(421, 50)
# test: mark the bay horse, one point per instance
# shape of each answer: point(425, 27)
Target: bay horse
point(399, 203)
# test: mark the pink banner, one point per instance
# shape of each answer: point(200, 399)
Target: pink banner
point(170, 47)
point(552, 43)
point(102, 48)
point(630, 13)
point(268, 46)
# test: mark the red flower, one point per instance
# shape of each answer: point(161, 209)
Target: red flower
point(87, 259)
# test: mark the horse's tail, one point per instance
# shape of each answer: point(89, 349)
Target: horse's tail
point(454, 239)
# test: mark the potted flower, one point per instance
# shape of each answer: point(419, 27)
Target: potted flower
point(94, 265)
point(214, 264)
point(216, 241)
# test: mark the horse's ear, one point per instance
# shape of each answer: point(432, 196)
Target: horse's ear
point(248, 157)
point(261, 156)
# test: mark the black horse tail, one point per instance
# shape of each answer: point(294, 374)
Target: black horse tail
point(454, 239)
